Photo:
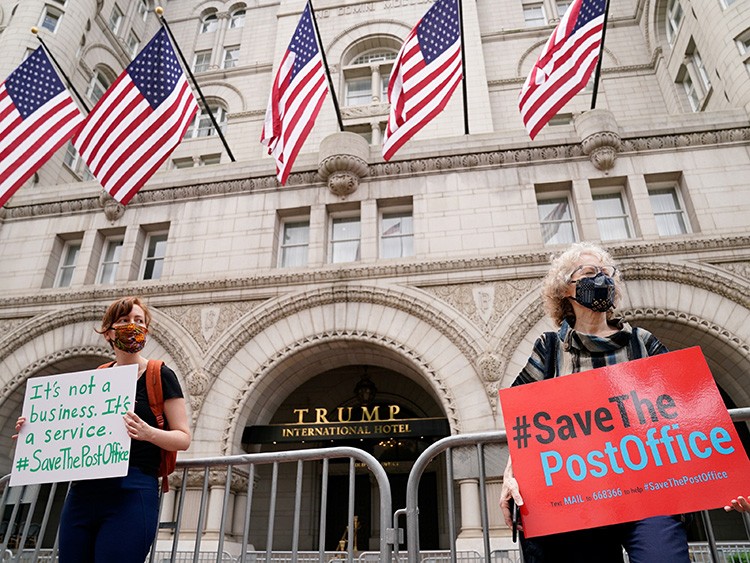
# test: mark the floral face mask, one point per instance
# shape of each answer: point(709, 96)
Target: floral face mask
point(130, 338)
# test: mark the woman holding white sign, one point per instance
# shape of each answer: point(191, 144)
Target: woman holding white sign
point(580, 293)
point(115, 520)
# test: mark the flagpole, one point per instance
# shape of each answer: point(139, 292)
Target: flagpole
point(601, 54)
point(35, 31)
point(325, 64)
point(160, 14)
point(463, 67)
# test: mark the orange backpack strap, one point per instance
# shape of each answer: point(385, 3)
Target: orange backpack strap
point(154, 390)
point(107, 365)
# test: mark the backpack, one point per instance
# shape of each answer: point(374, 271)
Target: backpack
point(156, 402)
point(552, 343)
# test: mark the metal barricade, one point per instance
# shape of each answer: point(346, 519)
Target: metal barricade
point(32, 513)
point(479, 441)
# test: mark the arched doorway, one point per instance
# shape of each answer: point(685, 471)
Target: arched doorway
point(378, 407)
point(728, 366)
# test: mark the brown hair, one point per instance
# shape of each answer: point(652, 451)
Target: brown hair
point(555, 284)
point(122, 307)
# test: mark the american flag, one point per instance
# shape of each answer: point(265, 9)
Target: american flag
point(139, 121)
point(37, 117)
point(426, 72)
point(297, 94)
point(565, 65)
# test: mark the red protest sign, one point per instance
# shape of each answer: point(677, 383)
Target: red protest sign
point(620, 443)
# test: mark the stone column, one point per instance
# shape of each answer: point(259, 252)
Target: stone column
point(316, 249)
point(376, 134)
point(240, 506)
point(221, 31)
point(471, 519)
point(369, 236)
point(376, 88)
point(583, 203)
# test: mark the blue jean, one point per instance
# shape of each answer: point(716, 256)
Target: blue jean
point(661, 539)
point(110, 520)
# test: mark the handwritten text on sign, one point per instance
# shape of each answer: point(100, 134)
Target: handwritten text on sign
point(620, 443)
point(74, 428)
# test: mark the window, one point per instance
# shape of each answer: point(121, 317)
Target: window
point(231, 57)
point(180, 163)
point(556, 220)
point(110, 261)
point(133, 43)
point(700, 70)
point(396, 234)
point(50, 18)
point(115, 19)
point(726, 3)
point(670, 218)
point(674, 19)
point(743, 43)
point(561, 119)
point(209, 159)
point(374, 57)
point(533, 15)
point(201, 125)
point(692, 94)
point(202, 61)
point(562, 7)
point(612, 216)
point(237, 19)
point(73, 161)
point(70, 253)
point(70, 159)
point(143, 9)
point(209, 23)
point(368, 73)
point(345, 235)
point(295, 242)
point(153, 261)
point(97, 86)
point(358, 91)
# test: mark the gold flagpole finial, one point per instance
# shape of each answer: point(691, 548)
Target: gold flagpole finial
point(159, 11)
point(34, 30)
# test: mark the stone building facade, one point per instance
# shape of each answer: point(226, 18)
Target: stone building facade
point(418, 277)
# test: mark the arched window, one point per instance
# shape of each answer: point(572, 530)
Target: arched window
point(209, 23)
point(237, 19)
point(366, 77)
point(201, 125)
point(98, 84)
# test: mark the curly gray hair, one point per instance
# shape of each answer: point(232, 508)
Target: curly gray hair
point(555, 283)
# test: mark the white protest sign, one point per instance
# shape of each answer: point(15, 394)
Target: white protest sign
point(74, 428)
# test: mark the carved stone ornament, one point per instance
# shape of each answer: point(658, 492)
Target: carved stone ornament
point(490, 367)
point(343, 161)
point(113, 209)
point(600, 137)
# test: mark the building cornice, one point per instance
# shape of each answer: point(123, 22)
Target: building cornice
point(534, 262)
point(537, 154)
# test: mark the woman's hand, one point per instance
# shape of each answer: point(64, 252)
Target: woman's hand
point(509, 491)
point(137, 428)
point(19, 423)
point(740, 504)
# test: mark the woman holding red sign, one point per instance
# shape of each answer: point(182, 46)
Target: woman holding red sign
point(114, 520)
point(580, 293)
